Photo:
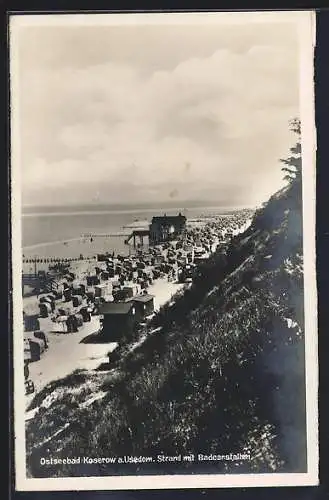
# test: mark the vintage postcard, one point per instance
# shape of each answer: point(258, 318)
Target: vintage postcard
point(163, 262)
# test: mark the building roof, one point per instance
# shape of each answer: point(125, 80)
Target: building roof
point(167, 219)
point(142, 298)
point(115, 308)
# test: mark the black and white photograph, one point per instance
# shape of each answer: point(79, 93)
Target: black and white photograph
point(163, 250)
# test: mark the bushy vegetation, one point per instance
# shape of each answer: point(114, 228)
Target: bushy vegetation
point(225, 373)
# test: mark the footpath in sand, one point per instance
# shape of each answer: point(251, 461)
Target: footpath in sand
point(163, 291)
point(67, 353)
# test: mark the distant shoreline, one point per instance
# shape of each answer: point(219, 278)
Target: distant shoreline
point(121, 235)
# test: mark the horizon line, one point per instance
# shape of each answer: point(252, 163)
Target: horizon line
point(127, 211)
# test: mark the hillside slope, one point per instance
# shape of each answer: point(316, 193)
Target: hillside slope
point(223, 374)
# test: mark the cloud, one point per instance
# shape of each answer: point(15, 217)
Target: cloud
point(85, 131)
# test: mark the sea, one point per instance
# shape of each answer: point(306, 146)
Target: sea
point(59, 232)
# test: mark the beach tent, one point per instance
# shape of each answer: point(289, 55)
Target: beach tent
point(92, 280)
point(101, 257)
point(48, 300)
point(115, 282)
point(39, 334)
point(118, 269)
point(111, 272)
point(105, 275)
point(79, 318)
point(43, 300)
point(121, 295)
point(156, 273)
point(72, 323)
point(76, 300)
point(65, 311)
point(131, 290)
point(90, 293)
point(27, 351)
point(82, 289)
point(62, 320)
point(78, 288)
point(85, 313)
point(37, 347)
point(99, 300)
point(122, 278)
point(45, 309)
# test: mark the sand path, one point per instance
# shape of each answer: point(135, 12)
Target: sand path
point(163, 290)
point(66, 354)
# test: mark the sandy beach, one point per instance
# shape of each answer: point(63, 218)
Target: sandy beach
point(163, 291)
point(75, 247)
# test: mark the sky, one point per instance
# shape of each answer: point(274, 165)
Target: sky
point(155, 113)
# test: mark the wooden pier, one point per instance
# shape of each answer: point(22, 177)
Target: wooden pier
point(138, 235)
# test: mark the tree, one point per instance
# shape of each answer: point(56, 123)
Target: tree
point(293, 164)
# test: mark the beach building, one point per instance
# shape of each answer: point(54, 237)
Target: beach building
point(117, 319)
point(144, 305)
point(166, 227)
